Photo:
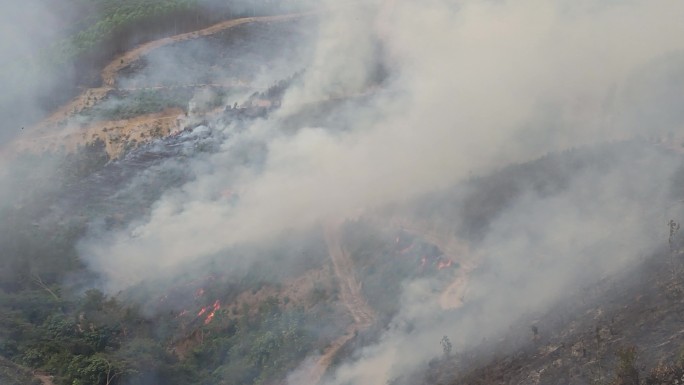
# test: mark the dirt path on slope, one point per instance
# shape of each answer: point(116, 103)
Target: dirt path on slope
point(45, 379)
point(351, 296)
point(350, 287)
point(115, 134)
point(112, 69)
point(92, 96)
point(86, 99)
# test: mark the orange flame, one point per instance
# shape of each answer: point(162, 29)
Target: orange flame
point(210, 316)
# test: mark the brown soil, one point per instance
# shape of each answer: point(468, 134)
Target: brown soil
point(112, 69)
point(116, 135)
point(34, 137)
point(350, 288)
point(85, 100)
point(45, 379)
point(351, 296)
point(319, 369)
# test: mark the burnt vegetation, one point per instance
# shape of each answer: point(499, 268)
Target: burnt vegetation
point(50, 324)
point(92, 33)
point(222, 321)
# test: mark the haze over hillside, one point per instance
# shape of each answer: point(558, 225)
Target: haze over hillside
point(323, 192)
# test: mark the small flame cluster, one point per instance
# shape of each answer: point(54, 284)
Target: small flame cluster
point(210, 311)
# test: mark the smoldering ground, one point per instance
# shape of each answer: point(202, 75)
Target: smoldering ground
point(473, 86)
point(447, 113)
point(545, 244)
point(37, 189)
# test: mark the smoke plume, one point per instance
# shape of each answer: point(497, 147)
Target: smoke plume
point(472, 86)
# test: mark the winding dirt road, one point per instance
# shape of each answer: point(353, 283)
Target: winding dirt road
point(57, 121)
point(351, 296)
point(350, 288)
point(110, 72)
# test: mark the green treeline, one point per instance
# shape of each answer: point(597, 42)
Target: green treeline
point(120, 21)
point(119, 25)
point(97, 31)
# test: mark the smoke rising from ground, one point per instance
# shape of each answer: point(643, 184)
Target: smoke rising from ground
point(473, 86)
point(543, 247)
point(28, 28)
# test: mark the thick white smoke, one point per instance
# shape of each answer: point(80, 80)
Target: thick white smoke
point(540, 249)
point(28, 28)
point(476, 86)
point(473, 86)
